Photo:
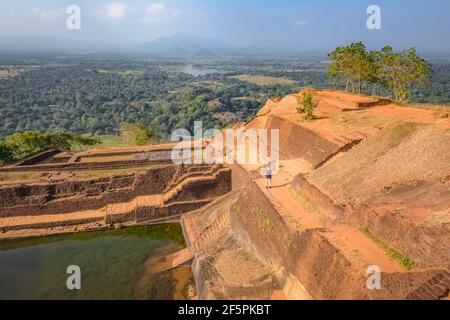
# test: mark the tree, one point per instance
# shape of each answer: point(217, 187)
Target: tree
point(30, 142)
point(307, 103)
point(400, 71)
point(70, 141)
point(135, 134)
point(6, 153)
point(354, 65)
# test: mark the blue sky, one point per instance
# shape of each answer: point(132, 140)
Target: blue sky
point(293, 24)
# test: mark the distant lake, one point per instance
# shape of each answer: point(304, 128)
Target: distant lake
point(197, 72)
point(115, 264)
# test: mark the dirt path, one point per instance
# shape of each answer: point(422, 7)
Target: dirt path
point(360, 249)
point(281, 197)
point(351, 242)
point(279, 193)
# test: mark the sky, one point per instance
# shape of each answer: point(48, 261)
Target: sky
point(291, 24)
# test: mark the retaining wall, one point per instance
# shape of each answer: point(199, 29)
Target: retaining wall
point(71, 196)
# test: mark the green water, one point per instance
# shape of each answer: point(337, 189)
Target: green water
point(113, 264)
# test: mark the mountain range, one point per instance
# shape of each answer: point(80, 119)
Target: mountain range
point(187, 45)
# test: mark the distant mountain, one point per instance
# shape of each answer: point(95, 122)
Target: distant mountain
point(187, 45)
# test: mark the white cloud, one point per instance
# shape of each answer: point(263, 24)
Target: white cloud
point(156, 13)
point(44, 14)
point(302, 24)
point(116, 10)
point(156, 9)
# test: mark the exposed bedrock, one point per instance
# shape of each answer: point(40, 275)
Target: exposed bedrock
point(412, 218)
point(304, 263)
point(299, 142)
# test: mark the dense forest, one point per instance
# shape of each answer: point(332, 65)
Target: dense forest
point(96, 94)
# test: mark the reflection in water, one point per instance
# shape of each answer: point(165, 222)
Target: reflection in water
point(197, 72)
point(115, 264)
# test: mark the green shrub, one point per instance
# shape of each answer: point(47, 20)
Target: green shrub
point(307, 103)
point(31, 142)
point(403, 260)
point(135, 134)
point(6, 153)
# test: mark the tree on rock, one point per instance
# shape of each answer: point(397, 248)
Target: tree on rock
point(401, 71)
point(398, 72)
point(354, 65)
point(307, 103)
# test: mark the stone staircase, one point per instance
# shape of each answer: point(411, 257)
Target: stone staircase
point(210, 232)
point(194, 175)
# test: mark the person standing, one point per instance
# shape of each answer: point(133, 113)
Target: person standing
point(268, 175)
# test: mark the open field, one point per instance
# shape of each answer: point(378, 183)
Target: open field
point(9, 73)
point(108, 158)
point(264, 80)
point(111, 142)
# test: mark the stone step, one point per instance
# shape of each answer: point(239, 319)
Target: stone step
point(174, 192)
point(211, 231)
point(51, 220)
point(184, 177)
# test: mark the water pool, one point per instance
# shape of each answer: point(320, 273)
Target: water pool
point(115, 264)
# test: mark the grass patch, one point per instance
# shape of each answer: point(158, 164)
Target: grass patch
point(22, 177)
point(19, 176)
point(111, 141)
point(403, 260)
point(267, 225)
point(93, 174)
point(263, 80)
point(9, 73)
point(107, 158)
point(429, 106)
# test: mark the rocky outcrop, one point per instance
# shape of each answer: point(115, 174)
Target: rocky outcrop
point(310, 258)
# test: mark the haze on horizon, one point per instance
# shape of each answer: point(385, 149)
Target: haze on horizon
point(283, 24)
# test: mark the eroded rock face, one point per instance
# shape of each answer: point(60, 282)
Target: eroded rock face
point(376, 195)
point(223, 266)
point(245, 221)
